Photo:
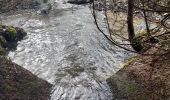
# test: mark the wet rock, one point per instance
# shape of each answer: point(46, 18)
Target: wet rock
point(9, 36)
point(45, 8)
point(20, 33)
point(12, 34)
point(80, 1)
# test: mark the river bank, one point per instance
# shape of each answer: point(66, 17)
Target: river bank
point(143, 78)
point(13, 5)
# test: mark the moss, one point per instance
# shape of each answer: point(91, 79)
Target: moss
point(12, 31)
point(130, 61)
point(142, 36)
point(142, 32)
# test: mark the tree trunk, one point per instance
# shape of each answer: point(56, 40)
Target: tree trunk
point(135, 43)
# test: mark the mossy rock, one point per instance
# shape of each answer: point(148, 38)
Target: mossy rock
point(11, 33)
point(9, 36)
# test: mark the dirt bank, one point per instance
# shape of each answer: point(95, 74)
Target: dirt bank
point(17, 83)
point(144, 78)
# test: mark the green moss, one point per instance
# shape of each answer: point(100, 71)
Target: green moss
point(12, 31)
point(142, 32)
point(130, 61)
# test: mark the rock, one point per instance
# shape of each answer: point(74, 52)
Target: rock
point(17, 83)
point(80, 1)
point(10, 33)
point(9, 36)
point(45, 8)
point(20, 33)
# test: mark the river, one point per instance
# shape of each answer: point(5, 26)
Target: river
point(66, 49)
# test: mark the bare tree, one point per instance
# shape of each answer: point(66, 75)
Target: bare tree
point(152, 12)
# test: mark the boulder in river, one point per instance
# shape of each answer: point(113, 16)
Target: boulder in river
point(80, 1)
point(45, 8)
point(9, 36)
point(11, 33)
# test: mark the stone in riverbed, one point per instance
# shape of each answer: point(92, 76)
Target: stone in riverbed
point(12, 34)
point(45, 8)
point(9, 36)
point(80, 1)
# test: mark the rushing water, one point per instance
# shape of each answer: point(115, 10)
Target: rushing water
point(66, 49)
